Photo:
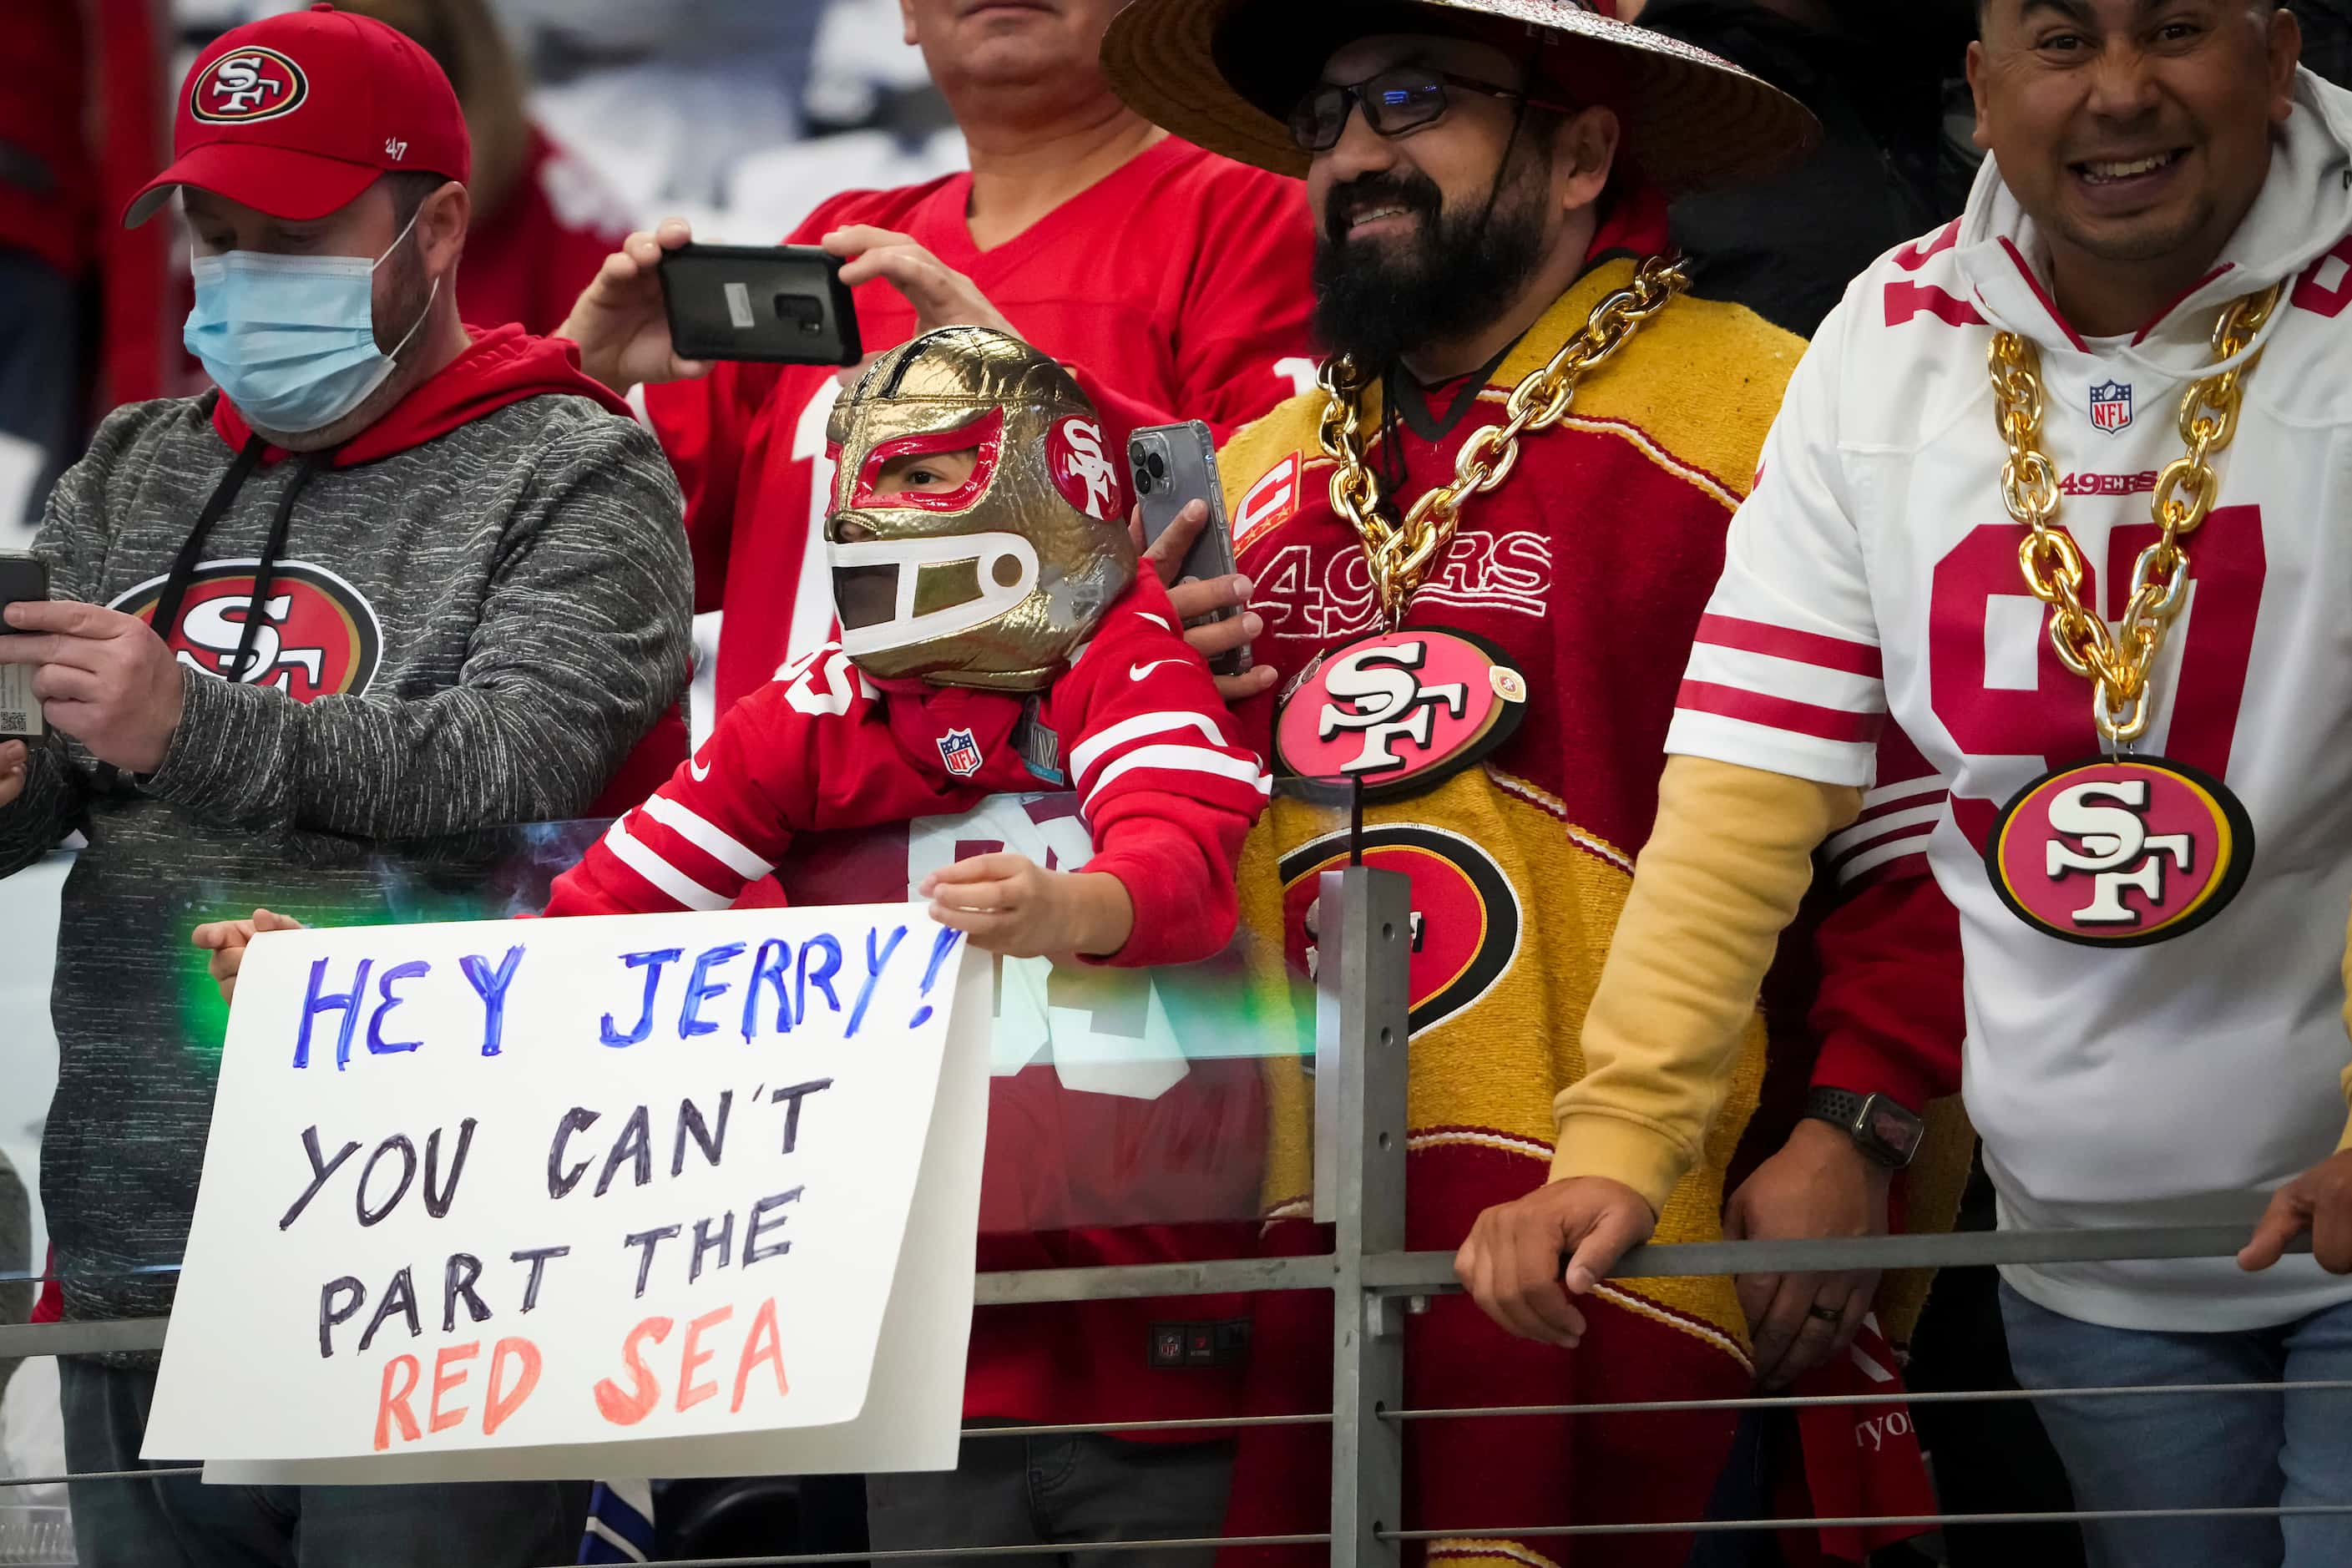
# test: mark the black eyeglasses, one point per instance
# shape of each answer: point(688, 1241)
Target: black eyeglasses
point(1395, 101)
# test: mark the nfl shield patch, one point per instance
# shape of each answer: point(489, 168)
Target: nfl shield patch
point(960, 752)
point(2111, 406)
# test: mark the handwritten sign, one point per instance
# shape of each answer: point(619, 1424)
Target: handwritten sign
point(681, 1194)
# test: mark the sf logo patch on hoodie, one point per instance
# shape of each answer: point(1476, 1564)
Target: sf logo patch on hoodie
point(318, 636)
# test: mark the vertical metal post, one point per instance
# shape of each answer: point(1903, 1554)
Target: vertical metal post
point(1362, 974)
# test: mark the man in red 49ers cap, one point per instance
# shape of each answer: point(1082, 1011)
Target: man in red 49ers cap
point(395, 584)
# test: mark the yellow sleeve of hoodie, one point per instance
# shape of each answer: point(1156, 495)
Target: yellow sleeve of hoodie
point(1725, 865)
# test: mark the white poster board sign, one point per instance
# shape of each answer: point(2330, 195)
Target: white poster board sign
point(678, 1194)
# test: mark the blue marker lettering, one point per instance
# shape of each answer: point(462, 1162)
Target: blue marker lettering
point(651, 963)
point(492, 989)
point(347, 1002)
point(769, 969)
point(377, 1045)
point(874, 964)
point(823, 978)
point(941, 945)
point(699, 987)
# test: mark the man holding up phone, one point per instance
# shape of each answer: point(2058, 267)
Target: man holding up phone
point(1480, 551)
point(392, 585)
point(1173, 282)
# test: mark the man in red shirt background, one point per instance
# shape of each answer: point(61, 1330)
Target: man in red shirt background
point(1174, 285)
point(80, 128)
point(1173, 281)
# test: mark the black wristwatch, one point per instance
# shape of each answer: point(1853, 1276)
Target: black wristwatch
point(1886, 1131)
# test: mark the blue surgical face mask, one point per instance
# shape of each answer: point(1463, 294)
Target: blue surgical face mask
point(290, 340)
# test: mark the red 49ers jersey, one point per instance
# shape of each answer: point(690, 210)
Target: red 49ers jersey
point(1175, 288)
point(1875, 571)
point(1135, 727)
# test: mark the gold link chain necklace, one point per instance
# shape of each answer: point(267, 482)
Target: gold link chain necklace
point(2118, 663)
point(1400, 556)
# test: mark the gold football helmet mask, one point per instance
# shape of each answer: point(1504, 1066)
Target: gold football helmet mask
point(995, 583)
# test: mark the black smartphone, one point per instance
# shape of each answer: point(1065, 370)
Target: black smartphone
point(22, 577)
point(1173, 465)
point(779, 304)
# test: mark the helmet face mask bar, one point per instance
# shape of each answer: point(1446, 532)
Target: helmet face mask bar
point(996, 582)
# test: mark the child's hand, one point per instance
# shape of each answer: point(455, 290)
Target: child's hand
point(225, 939)
point(1009, 904)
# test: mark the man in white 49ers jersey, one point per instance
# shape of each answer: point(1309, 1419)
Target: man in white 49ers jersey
point(2125, 366)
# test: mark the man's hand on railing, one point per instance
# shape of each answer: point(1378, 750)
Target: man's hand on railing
point(1819, 1185)
point(2318, 1201)
point(1511, 1264)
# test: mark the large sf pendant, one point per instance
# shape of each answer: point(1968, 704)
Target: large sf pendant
point(2120, 851)
point(1399, 712)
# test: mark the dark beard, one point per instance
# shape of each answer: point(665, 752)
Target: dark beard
point(1376, 300)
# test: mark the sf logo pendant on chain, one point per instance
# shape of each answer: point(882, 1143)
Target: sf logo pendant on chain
point(2120, 851)
point(1399, 712)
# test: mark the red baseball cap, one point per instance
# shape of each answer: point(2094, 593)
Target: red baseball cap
point(295, 115)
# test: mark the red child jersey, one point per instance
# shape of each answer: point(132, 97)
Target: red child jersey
point(1175, 288)
point(528, 262)
point(1135, 727)
point(1136, 730)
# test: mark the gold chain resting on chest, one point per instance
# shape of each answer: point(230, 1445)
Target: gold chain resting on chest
point(1401, 553)
point(2118, 663)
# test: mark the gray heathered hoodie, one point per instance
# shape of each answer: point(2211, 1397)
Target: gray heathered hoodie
point(464, 635)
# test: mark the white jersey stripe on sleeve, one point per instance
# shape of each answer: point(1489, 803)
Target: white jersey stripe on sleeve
point(1086, 752)
point(1718, 631)
point(708, 837)
point(665, 879)
point(1874, 829)
point(1185, 759)
point(1854, 865)
point(1887, 795)
point(1713, 664)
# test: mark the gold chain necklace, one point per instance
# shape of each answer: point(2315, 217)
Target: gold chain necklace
point(1400, 556)
point(2120, 850)
point(2118, 664)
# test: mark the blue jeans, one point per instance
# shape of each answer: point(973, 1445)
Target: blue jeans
point(2214, 1450)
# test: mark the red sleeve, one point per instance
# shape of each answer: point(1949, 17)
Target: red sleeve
point(705, 430)
point(1244, 308)
point(1888, 1012)
point(1169, 794)
point(727, 816)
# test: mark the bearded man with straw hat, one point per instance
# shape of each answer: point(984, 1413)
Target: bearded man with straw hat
point(1476, 558)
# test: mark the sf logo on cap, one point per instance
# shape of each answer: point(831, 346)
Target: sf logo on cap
point(245, 85)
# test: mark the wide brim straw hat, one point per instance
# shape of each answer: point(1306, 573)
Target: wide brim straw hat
point(1225, 74)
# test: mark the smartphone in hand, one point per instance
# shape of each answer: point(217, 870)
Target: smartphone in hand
point(22, 577)
point(1172, 466)
point(778, 304)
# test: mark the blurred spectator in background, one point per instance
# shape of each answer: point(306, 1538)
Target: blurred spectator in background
point(80, 127)
point(544, 221)
point(1885, 171)
point(16, 1257)
point(1175, 284)
point(2326, 37)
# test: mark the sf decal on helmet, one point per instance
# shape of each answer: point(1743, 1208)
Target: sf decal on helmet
point(996, 583)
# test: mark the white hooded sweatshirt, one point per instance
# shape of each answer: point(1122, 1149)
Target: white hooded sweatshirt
point(1874, 569)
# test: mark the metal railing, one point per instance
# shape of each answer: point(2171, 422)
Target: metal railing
point(1360, 1070)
